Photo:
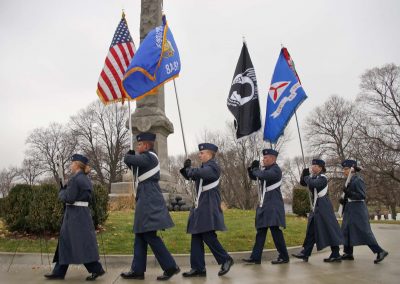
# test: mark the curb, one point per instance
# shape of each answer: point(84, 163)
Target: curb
point(125, 260)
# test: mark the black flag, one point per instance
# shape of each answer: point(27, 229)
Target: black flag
point(243, 100)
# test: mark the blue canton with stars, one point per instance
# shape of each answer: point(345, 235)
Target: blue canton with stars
point(122, 34)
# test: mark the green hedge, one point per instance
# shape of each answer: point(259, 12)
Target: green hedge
point(44, 211)
point(35, 209)
point(301, 201)
point(99, 205)
point(16, 207)
point(2, 202)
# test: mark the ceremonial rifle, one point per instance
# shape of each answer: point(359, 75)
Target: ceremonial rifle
point(341, 207)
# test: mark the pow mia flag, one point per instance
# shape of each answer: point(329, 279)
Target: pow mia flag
point(243, 100)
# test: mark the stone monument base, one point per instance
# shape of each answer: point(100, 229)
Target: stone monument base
point(121, 189)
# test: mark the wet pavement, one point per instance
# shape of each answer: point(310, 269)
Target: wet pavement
point(28, 268)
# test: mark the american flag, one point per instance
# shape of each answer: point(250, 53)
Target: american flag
point(118, 58)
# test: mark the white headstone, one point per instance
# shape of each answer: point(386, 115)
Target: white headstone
point(376, 218)
point(382, 217)
point(389, 216)
point(398, 217)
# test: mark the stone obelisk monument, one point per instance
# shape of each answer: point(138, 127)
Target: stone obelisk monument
point(149, 114)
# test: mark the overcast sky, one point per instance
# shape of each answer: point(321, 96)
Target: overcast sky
point(52, 52)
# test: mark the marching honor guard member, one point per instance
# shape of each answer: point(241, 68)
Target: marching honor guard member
point(206, 217)
point(151, 213)
point(270, 211)
point(322, 228)
point(355, 226)
point(77, 242)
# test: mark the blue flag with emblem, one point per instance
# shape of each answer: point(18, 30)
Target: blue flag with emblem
point(155, 62)
point(284, 96)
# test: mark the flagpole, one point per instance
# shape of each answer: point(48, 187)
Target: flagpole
point(259, 151)
point(192, 191)
point(180, 119)
point(133, 176)
point(130, 124)
point(302, 154)
point(301, 144)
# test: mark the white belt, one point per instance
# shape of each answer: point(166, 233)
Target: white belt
point(204, 188)
point(149, 173)
point(320, 194)
point(268, 188)
point(210, 185)
point(79, 203)
point(350, 200)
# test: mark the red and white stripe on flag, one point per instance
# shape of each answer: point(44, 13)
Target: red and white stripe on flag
point(119, 56)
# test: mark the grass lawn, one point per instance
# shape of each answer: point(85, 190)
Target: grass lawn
point(118, 236)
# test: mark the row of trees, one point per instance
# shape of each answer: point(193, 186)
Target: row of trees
point(234, 157)
point(366, 129)
point(98, 131)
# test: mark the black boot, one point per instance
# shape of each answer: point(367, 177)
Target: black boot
point(279, 260)
point(380, 256)
point(251, 261)
point(347, 256)
point(95, 275)
point(300, 256)
point(169, 273)
point(333, 259)
point(195, 273)
point(132, 275)
point(225, 267)
point(52, 276)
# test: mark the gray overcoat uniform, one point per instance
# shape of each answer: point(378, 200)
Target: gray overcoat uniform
point(208, 216)
point(355, 226)
point(151, 212)
point(326, 227)
point(272, 212)
point(77, 242)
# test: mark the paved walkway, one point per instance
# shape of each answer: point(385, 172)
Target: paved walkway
point(362, 270)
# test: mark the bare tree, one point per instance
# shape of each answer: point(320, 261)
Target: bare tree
point(7, 177)
point(104, 138)
point(331, 128)
point(291, 171)
point(48, 145)
point(380, 93)
point(30, 171)
point(378, 141)
point(380, 101)
point(236, 187)
point(331, 134)
point(234, 157)
point(174, 165)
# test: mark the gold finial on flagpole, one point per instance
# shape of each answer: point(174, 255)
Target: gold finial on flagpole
point(123, 13)
point(244, 39)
